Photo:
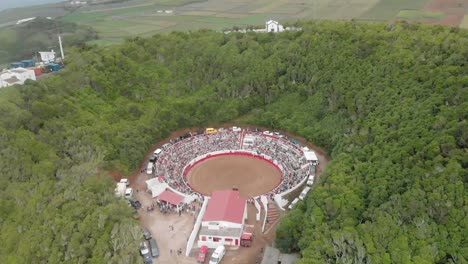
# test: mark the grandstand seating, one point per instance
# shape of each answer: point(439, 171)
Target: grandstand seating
point(175, 158)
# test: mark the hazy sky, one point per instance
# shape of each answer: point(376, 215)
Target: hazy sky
point(18, 3)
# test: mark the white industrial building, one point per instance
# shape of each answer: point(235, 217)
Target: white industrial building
point(16, 76)
point(47, 56)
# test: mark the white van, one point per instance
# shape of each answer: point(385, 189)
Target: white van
point(157, 152)
point(218, 255)
point(126, 181)
point(150, 168)
point(128, 193)
point(294, 202)
point(304, 193)
point(310, 181)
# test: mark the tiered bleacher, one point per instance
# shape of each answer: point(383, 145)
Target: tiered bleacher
point(176, 156)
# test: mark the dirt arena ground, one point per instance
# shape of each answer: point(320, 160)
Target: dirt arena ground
point(252, 176)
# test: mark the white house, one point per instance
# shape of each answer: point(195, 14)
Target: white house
point(16, 76)
point(223, 222)
point(273, 26)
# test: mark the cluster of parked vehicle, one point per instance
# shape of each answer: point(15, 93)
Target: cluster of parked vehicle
point(148, 248)
point(154, 158)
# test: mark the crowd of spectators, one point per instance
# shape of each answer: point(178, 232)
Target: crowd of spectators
point(172, 161)
point(288, 155)
point(176, 156)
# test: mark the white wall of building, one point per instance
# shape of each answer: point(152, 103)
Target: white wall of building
point(226, 241)
point(21, 74)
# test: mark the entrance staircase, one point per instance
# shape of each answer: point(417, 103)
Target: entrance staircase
point(273, 215)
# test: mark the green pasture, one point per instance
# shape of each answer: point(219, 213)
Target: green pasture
point(117, 21)
point(464, 23)
point(419, 14)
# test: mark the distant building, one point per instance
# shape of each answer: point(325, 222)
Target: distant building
point(47, 56)
point(273, 26)
point(270, 26)
point(78, 2)
point(223, 222)
point(25, 20)
point(16, 76)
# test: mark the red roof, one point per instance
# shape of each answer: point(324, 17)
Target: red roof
point(171, 197)
point(225, 206)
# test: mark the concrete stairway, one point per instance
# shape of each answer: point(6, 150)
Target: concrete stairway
point(272, 216)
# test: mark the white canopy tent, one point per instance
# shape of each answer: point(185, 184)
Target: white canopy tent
point(310, 156)
point(156, 187)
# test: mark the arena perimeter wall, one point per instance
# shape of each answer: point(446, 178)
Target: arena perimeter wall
point(266, 158)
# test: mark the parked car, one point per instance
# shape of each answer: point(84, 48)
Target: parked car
point(150, 168)
point(202, 254)
point(126, 181)
point(154, 247)
point(145, 253)
point(128, 193)
point(146, 233)
point(153, 159)
point(218, 255)
point(135, 203)
point(157, 152)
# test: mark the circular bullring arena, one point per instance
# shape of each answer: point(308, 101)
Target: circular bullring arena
point(255, 163)
point(265, 171)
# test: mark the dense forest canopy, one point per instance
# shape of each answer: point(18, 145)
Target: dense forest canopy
point(388, 101)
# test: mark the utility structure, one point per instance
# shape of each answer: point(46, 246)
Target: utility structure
point(61, 47)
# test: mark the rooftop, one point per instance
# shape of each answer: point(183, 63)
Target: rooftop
point(222, 231)
point(226, 206)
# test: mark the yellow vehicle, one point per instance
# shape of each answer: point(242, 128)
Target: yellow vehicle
point(210, 130)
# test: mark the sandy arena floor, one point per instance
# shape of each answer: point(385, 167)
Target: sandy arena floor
point(252, 176)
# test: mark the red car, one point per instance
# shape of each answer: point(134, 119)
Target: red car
point(202, 254)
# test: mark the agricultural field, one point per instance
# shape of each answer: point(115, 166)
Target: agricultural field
point(116, 21)
point(145, 18)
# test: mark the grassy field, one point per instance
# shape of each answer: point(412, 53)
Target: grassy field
point(464, 23)
point(419, 14)
point(117, 21)
point(141, 17)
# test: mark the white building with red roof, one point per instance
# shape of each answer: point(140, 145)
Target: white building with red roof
point(223, 222)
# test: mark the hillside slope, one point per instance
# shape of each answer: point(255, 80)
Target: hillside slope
point(23, 41)
point(387, 101)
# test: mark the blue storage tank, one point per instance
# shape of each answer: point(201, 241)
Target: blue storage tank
point(28, 63)
point(16, 64)
point(54, 67)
